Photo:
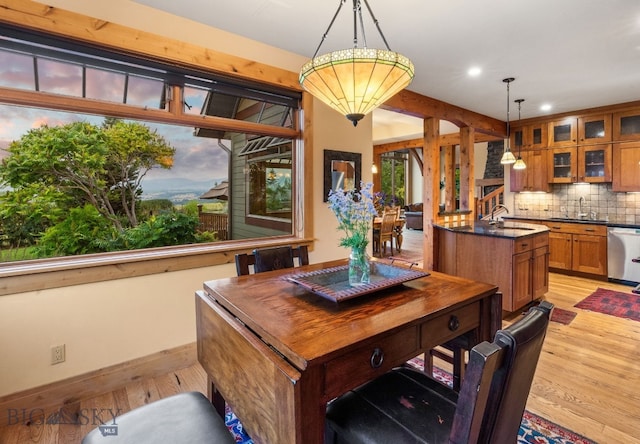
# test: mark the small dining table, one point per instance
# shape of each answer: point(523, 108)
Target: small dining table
point(277, 353)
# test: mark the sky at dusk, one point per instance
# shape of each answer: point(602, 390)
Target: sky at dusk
point(196, 158)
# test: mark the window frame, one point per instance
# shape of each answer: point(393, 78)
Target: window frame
point(75, 270)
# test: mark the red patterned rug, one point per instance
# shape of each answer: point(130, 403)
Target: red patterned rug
point(562, 316)
point(611, 302)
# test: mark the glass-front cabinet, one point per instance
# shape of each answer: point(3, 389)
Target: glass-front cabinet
point(626, 125)
point(594, 163)
point(594, 129)
point(591, 163)
point(563, 132)
point(530, 137)
point(563, 165)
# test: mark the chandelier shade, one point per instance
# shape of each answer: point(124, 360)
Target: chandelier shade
point(356, 80)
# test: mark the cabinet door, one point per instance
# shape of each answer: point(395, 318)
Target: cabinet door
point(560, 250)
point(540, 272)
point(534, 177)
point(594, 163)
point(589, 254)
point(626, 125)
point(563, 165)
point(626, 167)
point(530, 137)
point(594, 129)
point(521, 294)
point(563, 132)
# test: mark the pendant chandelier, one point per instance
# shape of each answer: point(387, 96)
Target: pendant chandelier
point(356, 80)
point(519, 165)
point(508, 158)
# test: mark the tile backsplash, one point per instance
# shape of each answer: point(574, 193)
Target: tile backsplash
point(564, 201)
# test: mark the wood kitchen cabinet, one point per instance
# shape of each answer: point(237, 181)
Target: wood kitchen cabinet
point(530, 137)
point(578, 247)
point(563, 132)
point(594, 129)
point(533, 178)
point(626, 167)
point(519, 266)
point(626, 125)
point(563, 165)
point(590, 163)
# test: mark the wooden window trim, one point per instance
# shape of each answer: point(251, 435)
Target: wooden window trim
point(43, 274)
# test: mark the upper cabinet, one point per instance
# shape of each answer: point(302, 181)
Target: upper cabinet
point(563, 132)
point(535, 176)
point(591, 163)
point(626, 125)
point(584, 130)
point(594, 129)
point(530, 137)
point(626, 166)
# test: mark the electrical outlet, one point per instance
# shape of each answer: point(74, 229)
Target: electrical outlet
point(57, 354)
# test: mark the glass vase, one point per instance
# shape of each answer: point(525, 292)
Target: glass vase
point(359, 266)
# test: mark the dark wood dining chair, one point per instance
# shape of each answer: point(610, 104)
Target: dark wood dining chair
point(267, 259)
point(406, 406)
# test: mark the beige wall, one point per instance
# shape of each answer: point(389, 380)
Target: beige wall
point(111, 322)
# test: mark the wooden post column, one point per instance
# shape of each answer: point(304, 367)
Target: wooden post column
point(430, 183)
point(467, 136)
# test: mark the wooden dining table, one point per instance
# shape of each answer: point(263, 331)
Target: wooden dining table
point(278, 353)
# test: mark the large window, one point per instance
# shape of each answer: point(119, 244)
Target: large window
point(394, 177)
point(108, 153)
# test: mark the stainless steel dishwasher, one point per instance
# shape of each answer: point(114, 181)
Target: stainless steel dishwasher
point(623, 254)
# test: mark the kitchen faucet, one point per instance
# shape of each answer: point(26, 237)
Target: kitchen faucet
point(493, 210)
point(581, 213)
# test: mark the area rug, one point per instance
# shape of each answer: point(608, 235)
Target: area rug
point(611, 302)
point(533, 430)
point(562, 316)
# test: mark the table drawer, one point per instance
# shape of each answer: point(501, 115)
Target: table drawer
point(367, 362)
point(443, 328)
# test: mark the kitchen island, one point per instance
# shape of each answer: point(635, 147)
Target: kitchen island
point(512, 255)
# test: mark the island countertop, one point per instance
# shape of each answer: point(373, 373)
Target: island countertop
point(508, 229)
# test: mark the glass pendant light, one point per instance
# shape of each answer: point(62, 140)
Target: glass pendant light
point(508, 158)
point(519, 165)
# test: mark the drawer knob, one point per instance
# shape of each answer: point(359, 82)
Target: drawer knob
point(377, 357)
point(454, 323)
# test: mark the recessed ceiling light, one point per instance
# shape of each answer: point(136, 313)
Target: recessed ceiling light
point(545, 107)
point(474, 71)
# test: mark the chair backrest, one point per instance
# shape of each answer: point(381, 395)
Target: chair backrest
point(267, 259)
point(498, 380)
point(388, 221)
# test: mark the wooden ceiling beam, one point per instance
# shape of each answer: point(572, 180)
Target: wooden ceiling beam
point(417, 105)
point(445, 140)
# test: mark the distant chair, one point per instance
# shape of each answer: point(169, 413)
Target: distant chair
point(387, 231)
point(405, 405)
point(267, 259)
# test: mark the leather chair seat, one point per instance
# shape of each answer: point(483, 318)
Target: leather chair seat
point(372, 418)
point(185, 418)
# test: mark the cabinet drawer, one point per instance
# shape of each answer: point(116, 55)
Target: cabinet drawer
point(367, 362)
point(522, 245)
point(563, 227)
point(540, 240)
point(444, 328)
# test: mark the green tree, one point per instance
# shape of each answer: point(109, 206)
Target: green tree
point(88, 164)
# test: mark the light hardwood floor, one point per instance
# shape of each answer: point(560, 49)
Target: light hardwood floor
point(587, 380)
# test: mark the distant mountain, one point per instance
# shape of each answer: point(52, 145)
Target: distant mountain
point(177, 190)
